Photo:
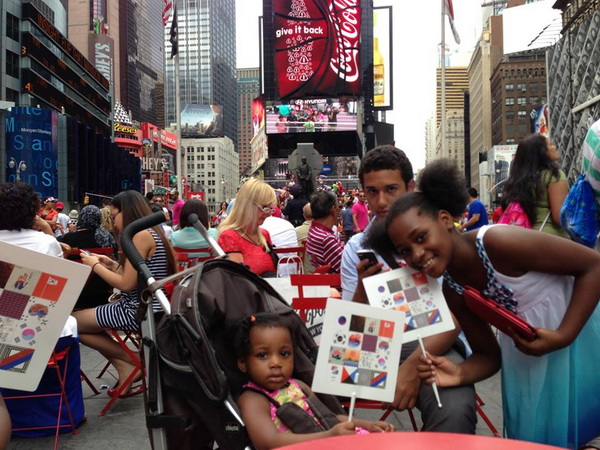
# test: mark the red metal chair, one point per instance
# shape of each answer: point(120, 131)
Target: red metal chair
point(189, 257)
point(133, 337)
point(53, 364)
point(302, 304)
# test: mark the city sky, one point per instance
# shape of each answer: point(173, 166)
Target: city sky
point(416, 31)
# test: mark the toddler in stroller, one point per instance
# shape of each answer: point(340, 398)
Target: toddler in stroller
point(277, 409)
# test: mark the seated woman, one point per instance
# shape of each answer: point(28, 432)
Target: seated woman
point(187, 236)
point(90, 234)
point(240, 234)
point(154, 247)
point(19, 224)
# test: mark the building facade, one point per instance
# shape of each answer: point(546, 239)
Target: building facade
point(207, 60)
point(487, 54)
point(248, 88)
point(212, 168)
point(574, 81)
point(518, 86)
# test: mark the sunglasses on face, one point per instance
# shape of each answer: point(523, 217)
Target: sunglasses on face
point(265, 209)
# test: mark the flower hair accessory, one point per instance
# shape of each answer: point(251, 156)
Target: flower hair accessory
point(252, 319)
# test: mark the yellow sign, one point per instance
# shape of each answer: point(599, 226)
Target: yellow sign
point(119, 128)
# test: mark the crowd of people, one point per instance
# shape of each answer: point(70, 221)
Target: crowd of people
point(435, 224)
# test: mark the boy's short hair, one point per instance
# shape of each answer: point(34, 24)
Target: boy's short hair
point(472, 192)
point(386, 157)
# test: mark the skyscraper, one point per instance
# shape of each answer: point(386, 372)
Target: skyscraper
point(248, 81)
point(207, 60)
point(124, 40)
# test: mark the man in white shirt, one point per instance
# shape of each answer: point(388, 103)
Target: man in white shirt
point(283, 235)
point(385, 174)
point(62, 221)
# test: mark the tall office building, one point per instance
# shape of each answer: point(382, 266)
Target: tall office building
point(207, 60)
point(457, 83)
point(248, 88)
point(486, 56)
point(124, 40)
point(518, 86)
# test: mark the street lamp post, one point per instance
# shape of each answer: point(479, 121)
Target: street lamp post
point(223, 183)
point(21, 167)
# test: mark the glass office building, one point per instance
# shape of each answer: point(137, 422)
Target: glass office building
point(207, 60)
point(142, 60)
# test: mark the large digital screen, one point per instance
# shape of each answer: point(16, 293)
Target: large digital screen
point(317, 47)
point(201, 120)
point(32, 145)
point(311, 116)
point(258, 115)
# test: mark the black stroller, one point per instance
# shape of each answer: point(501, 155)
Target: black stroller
point(192, 372)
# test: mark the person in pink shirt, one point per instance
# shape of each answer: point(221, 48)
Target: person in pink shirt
point(177, 205)
point(360, 213)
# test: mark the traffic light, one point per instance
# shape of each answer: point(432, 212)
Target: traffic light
point(86, 200)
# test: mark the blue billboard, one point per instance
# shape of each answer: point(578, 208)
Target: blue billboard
point(32, 148)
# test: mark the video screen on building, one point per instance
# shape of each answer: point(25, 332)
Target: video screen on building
point(316, 46)
point(258, 115)
point(311, 116)
point(201, 120)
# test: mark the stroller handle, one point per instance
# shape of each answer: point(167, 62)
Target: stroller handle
point(193, 220)
point(129, 249)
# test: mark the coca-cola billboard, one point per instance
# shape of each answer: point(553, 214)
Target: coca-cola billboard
point(316, 46)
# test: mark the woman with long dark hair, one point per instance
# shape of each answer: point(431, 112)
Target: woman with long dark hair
point(536, 182)
point(156, 250)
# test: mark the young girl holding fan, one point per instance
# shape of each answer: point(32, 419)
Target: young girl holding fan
point(550, 387)
point(265, 347)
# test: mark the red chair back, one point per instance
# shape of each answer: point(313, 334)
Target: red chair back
point(302, 303)
point(189, 257)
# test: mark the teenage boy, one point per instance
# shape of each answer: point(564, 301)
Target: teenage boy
point(385, 174)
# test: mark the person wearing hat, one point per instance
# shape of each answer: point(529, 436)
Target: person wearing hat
point(62, 221)
point(73, 218)
point(49, 213)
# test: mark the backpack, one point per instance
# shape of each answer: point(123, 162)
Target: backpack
point(514, 214)
point(579, 213)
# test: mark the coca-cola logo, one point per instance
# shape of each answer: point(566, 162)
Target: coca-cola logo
point(346, 24)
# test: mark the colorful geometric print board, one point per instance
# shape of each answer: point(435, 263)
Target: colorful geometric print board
point(359, 352)
point(414, 293)
point(37, 294)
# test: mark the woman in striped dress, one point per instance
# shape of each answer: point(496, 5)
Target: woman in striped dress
point(153, 246)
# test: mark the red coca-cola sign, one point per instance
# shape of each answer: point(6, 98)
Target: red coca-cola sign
point(317, 47)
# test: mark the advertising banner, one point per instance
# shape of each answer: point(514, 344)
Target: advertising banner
point(201, 120)
point(32, 146)
point(258, 146)
point(539, 120)
point(382, 58)
point(317, 45)
point(258, 115)
point(101, 51)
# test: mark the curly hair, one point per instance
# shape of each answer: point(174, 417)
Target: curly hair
point(20, 204)
point(440, 186)
point(241, 341)
point(386, 157)
point(524, 182)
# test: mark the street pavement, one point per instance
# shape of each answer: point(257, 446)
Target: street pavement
point(123, 427)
